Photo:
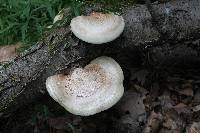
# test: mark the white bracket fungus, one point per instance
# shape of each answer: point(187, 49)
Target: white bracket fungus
point(90, 90)
point(97, 28)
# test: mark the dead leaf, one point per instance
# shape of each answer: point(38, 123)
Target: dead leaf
point(8, 52)
point(131, 104)
point(131, 111)
point(194, 128)
point(173, 121)
point(153, 123)
point(187, 92)
point(166, 101)
point(182, 108)
point(196, 108)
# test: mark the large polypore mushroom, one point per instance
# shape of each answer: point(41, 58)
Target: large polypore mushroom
point(98, 27)
point(87, 91)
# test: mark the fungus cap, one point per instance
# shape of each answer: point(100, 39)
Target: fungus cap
point(97, 28)
point(90, 90)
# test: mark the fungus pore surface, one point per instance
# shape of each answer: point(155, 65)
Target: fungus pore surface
point(88, 90)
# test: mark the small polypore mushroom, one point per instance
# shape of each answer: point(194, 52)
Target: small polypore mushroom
point(89, 90)
point(97, 28)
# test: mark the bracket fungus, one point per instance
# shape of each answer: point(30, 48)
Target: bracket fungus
point(97, 28)
point(89, 90)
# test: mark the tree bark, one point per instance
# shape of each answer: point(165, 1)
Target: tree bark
point(165, 32)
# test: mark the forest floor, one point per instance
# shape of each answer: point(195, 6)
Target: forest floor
point(171, 106)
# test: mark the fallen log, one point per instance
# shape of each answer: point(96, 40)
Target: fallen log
point(160, 31)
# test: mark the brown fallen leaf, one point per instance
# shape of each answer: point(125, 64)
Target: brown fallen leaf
point(194, 128)
point(186, 92)
point(182, 108)
point(131, 111)
point(196, 108)
point(8, 52)
point(153, 123)
point(173, 121)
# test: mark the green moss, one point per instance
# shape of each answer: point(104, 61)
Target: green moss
point(51, 49)
point(5, 64)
